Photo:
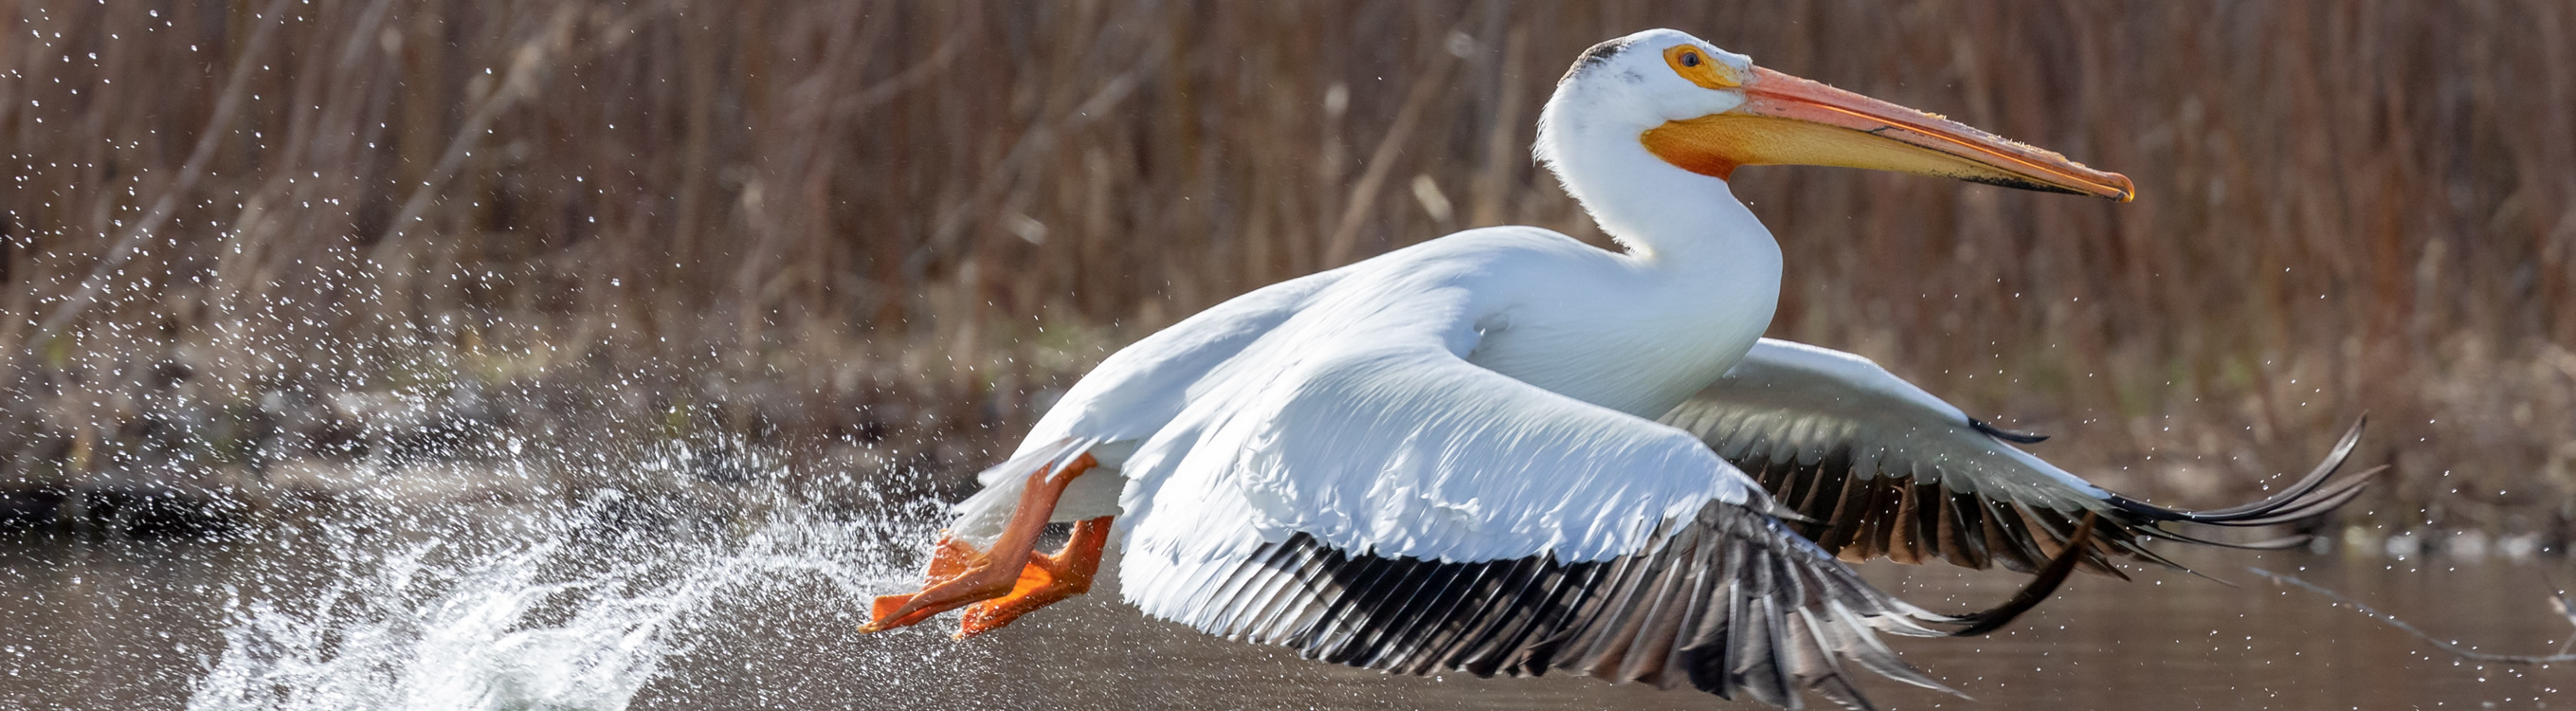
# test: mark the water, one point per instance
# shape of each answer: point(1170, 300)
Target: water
point(608, 604)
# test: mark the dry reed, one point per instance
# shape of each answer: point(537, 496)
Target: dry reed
point(896, 226)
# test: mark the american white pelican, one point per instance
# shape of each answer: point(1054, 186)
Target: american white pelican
point(1507, 451)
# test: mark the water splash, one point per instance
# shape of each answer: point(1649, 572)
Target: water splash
point(573, 611)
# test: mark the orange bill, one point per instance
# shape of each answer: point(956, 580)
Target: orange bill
point(1786, 120)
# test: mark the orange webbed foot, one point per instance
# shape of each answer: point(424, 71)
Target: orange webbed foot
point(960, 575)
point(950, 560)
point(1045, 580)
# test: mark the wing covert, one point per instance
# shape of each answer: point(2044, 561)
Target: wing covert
point(1378, 437)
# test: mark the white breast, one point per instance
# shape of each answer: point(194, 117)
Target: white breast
point(1633, 334)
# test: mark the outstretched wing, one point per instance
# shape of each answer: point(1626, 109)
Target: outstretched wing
point(1400, 509)
point(1360, 492)
point(1879, 467)
point(1728, 601)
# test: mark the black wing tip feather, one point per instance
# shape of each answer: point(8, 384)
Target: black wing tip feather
point(2013, 436)
point(1731, 601)
point(2077, 548)
point(2308, 498)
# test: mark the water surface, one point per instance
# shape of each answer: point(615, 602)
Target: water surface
point(607, 604)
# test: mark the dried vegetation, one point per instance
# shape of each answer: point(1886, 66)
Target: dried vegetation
point(245, 237)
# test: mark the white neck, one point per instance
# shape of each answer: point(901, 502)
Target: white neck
point(1664, 215)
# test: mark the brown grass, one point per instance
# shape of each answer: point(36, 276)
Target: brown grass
point(893, 225)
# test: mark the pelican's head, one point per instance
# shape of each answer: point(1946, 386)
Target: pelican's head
point(1709, 111)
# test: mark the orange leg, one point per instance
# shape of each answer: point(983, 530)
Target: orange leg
point(1048, 579)
point(972, 576)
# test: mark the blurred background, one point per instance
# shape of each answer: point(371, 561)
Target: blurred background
point(585, 354)
point(259, 252)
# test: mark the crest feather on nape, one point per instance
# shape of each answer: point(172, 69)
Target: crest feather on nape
point(1597, 54)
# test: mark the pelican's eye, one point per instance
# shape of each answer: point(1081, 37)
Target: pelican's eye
point(1695, 65)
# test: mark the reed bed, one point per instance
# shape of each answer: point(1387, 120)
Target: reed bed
point(880, 235)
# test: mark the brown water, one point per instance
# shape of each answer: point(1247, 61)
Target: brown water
point(693, 611)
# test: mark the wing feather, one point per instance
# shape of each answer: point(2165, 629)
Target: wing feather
point(1880, 468)
point(1729, 601)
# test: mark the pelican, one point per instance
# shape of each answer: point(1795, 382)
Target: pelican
point(1506, 451)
